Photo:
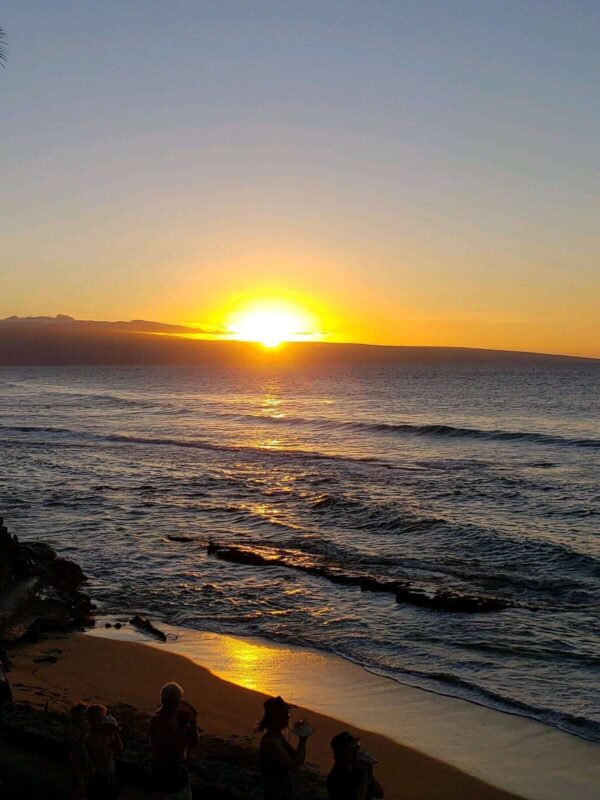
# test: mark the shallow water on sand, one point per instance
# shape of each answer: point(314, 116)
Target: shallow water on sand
point(438, 525)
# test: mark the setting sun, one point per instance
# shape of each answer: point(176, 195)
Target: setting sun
point(271, 325)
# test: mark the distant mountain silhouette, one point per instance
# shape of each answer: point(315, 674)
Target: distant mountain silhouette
point(134, 325)
point(63, 340)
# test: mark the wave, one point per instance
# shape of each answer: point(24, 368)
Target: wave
point(113, 400)
point(381, 517)
point(447, 683)
point(231, 448)
point(34, 429)
point(509, 562)
point(431, 429)
point(405, 592)
point(193, 443)
point(504, 563)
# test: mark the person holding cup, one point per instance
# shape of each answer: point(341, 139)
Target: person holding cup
point(278, 759)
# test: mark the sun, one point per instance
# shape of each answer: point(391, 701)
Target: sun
point(271, 325)
point(270, 328)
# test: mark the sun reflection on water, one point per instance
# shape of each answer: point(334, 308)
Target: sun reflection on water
point(271, 444)
point(249, 665)
point(270, 401)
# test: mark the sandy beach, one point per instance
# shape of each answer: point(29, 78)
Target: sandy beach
point(435, 747)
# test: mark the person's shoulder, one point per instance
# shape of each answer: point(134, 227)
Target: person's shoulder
point(334, 774)
point(266, 740)
point(336, 784)
point(271, 742)
point(157, 721)
point(338, 776)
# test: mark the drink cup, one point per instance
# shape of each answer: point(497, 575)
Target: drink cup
point(366, 757)
point(303, 729)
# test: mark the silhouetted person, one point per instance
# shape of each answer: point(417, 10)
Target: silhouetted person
point(103, 745)
point(80, 764)
point(172, 730)
point(351, 777)
point(6, 698)
point(278, 759)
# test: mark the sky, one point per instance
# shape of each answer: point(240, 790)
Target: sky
point(404, 172)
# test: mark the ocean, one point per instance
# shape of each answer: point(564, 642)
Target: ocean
point(435, 524)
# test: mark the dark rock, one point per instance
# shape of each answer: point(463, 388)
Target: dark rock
point(146, 626)
point(46, 660)
point(440, 599)
point(39, 592)
point(37, 551)
point(67, 574)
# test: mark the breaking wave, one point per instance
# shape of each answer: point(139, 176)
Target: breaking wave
point(433, 429)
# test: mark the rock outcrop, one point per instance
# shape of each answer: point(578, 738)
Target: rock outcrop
point(39, 591)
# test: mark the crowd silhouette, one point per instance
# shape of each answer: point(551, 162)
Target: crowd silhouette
point(95, 746)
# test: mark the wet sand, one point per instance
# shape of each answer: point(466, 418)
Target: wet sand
point(429, 747)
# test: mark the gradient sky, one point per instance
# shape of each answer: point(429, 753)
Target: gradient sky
point(412, 172)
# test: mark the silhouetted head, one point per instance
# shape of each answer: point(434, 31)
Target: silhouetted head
point(170, 697)
point(95, 714)
point(276, 716)
point(78, 711)
point(345, 748)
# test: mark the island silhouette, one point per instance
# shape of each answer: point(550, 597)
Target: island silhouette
point(64, 340)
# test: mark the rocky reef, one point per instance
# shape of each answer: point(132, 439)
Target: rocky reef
point(40, 592)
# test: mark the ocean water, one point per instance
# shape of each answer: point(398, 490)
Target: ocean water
point(438, 525)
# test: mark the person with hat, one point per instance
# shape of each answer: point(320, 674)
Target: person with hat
point(103, 744)
point(278, 759)
point(351, 777)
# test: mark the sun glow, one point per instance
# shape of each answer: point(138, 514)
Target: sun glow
point(271, 325)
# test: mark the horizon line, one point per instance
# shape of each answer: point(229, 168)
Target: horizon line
point(204, 334)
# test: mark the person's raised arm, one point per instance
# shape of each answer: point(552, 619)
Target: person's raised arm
point(286, 756)
point(193, 734)
point(300, 754)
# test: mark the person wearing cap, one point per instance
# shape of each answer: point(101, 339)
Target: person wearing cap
point(351, 777)
point(103, 744)
point(278, 759)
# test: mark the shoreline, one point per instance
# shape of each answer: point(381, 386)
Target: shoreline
point(513, 753)
point(429, 746)
point(100, 669)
